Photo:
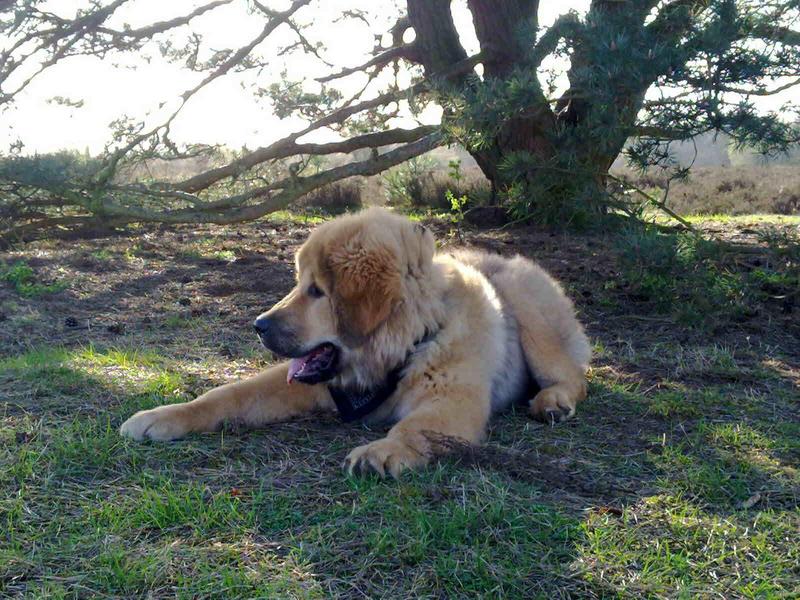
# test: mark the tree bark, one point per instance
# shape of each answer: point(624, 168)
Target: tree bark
point(503, 30)
point(437, 42)
point(506, 33)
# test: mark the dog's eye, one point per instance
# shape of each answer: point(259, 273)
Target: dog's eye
point(314, 291)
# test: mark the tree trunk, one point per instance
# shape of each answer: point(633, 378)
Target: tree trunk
point(506, 31)
point(502, 29)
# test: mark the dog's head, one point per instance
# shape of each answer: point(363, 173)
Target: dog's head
point(352, 274)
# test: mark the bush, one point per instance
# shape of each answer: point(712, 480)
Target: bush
point(409, 185)
point(48, 170)
point(333, 199)
point(23, 278)
point(419, 184)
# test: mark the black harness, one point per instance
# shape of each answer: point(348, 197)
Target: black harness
point(354, 404)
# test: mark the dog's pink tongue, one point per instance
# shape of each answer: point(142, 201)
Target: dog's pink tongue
point(295, 366)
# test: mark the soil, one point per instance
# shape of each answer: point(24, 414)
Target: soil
point(120, 287)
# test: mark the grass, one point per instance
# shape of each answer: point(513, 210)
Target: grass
point(668, 547)
point(86, 512)
point(102, 254)
point(734, 194)
point(678, 478)
point(285, 216)
point(23, 279)
point(744, 219)
point(205, 249)
point(701, 282)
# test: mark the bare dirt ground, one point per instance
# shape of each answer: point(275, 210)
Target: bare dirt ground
point(121, 288)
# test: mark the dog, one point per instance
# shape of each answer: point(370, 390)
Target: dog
point(382, 329)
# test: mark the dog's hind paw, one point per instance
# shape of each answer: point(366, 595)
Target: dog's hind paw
point(552, 405)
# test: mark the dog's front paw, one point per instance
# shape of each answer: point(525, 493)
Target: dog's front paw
point(161, 424)
point(553, 405)
point(384, 456)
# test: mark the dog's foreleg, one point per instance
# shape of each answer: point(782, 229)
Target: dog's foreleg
point(455, 412)
point(265, 398)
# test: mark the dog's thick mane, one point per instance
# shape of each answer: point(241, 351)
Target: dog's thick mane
point(418, 314)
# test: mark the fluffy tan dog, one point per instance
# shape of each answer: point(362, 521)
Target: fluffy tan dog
point(382, 329)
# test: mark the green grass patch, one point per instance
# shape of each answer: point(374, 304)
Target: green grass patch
point(684, 403)
point(701, 282)
point(681, 274)
point(725, 464)
point(57, 378)
point(667, 547)
point(206, 249)
point(103, 254)
point(296, 218)
point(23, 279)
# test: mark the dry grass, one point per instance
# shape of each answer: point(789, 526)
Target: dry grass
point(743, 190)
point(730, 190)
point(333, 199)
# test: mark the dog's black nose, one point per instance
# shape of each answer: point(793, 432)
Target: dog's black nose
point(262, 324)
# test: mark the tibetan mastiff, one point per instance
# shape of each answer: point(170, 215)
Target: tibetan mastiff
point(381, 328)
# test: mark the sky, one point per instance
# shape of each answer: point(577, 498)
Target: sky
point(224, 113)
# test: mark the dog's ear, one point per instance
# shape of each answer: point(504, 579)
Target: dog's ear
point(366, 286)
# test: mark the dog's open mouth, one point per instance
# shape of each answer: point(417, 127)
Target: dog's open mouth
point(315, 367)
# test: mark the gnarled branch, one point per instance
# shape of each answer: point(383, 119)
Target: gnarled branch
point(407, 51)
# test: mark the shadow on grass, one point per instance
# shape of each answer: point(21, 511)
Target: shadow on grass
point(218, 277)
point(262, 509)
point(623, 500)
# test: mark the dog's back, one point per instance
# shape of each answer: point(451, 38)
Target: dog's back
point(534, 308)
